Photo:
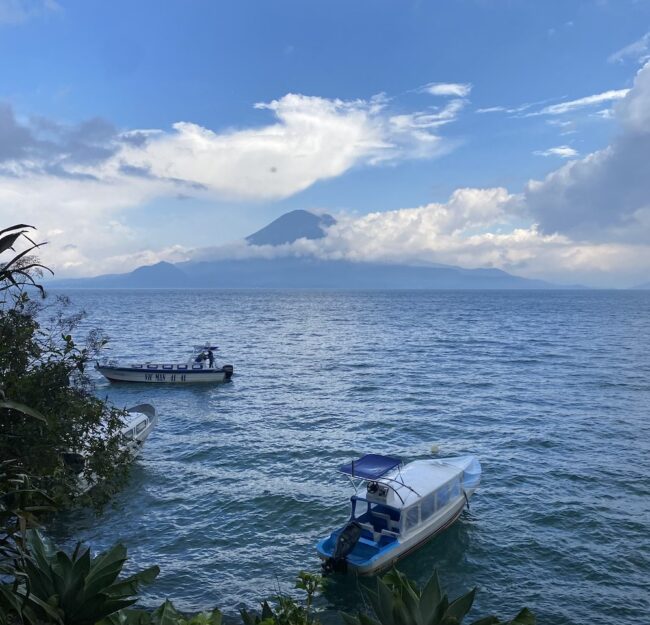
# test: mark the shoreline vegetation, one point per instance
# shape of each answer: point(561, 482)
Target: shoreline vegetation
point(47, 409)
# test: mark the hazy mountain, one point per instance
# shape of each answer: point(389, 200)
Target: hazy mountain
point(159, 276)
point(644, 286)
point(292, 226)
point(303, 272)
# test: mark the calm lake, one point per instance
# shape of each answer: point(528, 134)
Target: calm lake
point(233, 489)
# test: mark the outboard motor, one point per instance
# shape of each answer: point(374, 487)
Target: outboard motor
point(228, 370)
point(345, 543)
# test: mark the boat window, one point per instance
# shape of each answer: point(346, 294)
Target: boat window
point(428, 506)
point(141, 426)
point(413, 517)
point(443, 496)
point(455, 489)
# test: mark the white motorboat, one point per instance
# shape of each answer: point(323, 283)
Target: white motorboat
point(199, 368)
point(396, 508)
point(140, 420)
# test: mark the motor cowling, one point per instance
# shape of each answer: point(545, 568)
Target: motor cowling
point(228, 370)
point(345, 543)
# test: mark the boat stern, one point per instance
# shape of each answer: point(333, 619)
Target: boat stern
point(365, 557)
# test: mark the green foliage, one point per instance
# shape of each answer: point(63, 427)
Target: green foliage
point(311, 584)
point(19, 270)
point(76, 589)
point(287, 610)
point(399, 601)
point(166, 614)
point(21, 506)
point(47, 408)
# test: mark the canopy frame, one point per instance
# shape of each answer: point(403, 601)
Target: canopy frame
point(382, 465)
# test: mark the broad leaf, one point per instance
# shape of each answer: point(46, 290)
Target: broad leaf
point(129, 586)
point(430, 598)
point(30, 412)
point(382, 603)
point(525, 617)
point(460, 607)
point(105, 569)
point(166, 614)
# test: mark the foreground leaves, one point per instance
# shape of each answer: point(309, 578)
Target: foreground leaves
point(399, 601)
point(77, 589)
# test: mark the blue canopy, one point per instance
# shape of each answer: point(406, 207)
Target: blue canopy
point(370, 466)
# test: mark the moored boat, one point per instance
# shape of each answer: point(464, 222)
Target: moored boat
point(140, 420)
point(396, 508)
point(199, 368)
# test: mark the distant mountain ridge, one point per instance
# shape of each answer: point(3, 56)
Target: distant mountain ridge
point(303, 271)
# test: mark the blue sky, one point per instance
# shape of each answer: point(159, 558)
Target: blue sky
point(129, 66)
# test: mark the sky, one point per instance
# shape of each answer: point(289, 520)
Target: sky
point(481, 133)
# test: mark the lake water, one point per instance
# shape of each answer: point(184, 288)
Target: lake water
point(237, 483)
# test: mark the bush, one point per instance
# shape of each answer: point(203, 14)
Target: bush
point(399, 601)
point(42, 374)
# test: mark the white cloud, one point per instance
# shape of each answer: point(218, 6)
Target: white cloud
point(475, 228)
point(511, 110)
point(572, 105)
point(587, 221)
point(563, 151)
point(456, 89)
point(312, 139)
point(493, 109)
point(17, 11)
point(80, 178)
point(638, 50)
point(604, 196)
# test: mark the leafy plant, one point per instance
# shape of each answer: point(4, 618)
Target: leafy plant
point(19, 270)
point(166, 614)
point(47, 407)
point(288, 611)
point(78, 589)
point(399, 601)
point(21, 508)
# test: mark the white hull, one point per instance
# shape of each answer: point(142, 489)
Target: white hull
point(158, 376)
point(406, 545)
point(400, 508)
point(132, 441)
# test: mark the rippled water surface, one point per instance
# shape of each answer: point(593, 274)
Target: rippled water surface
point(550, 389)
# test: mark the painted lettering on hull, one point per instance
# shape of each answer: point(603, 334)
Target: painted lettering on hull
point(162, 377)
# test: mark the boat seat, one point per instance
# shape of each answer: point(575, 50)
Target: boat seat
point(379, 521)
point(381, 509)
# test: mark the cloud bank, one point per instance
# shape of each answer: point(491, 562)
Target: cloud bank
point(587, 221)
point(606, 195)
point(86, 176)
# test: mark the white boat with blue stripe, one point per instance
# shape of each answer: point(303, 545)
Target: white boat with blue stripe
point(396, 508)
point(200, 368)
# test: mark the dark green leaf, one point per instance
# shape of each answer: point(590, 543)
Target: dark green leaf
point(166, 614)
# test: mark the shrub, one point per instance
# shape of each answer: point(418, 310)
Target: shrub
point(399, 601)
